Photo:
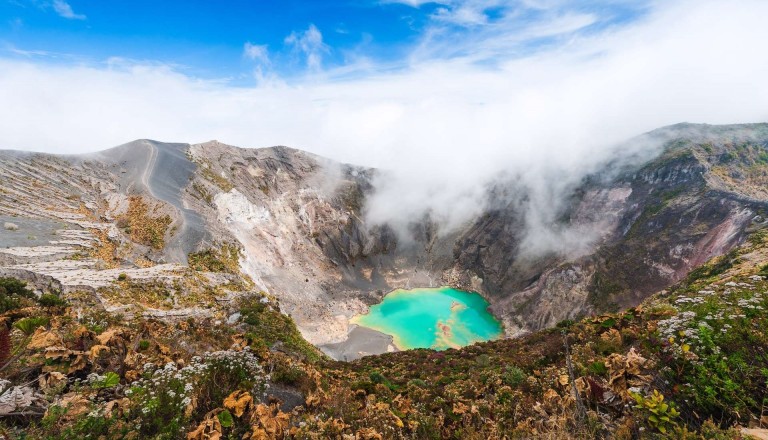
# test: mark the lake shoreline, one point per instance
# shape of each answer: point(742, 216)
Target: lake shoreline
point(361, 341)
point(434, 318)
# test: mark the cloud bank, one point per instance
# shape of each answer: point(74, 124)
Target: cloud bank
point(443, 124)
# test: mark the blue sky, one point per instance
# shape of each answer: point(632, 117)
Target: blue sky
point(242, 40)
point(369, 80)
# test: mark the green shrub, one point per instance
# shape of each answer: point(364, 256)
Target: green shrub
point(363, 385)
point(597, 368)
point(513, 376)
point(29, 325)
point(418, 383)
point(88, 426)
point(378, 378)
point(51, 300)
point(14, 294)
point(659, 415)
point(265, 322)
point(290, 375)
point(483, 360)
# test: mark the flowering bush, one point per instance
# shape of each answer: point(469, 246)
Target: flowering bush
point(168, 397)
point(725, 318)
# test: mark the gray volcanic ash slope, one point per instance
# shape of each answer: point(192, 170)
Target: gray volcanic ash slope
point(299, 222)
point(162, 171)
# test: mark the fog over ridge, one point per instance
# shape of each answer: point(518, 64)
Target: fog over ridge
point(442, 129)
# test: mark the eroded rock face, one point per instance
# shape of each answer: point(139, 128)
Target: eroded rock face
point(655, 222)
point(298, 220)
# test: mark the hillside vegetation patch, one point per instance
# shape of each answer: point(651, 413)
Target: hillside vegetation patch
point(142, 225)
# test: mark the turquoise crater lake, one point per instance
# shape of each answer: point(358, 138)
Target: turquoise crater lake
point(437, 318)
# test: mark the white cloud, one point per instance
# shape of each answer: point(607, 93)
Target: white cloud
point(561, 24)
point(310, 44)
point(470, 12)
point(491, 30)
point(65, 10)
point(443, 127)
point(256, 52)
point(465, 16)
point(29, 53)
point(413, 3)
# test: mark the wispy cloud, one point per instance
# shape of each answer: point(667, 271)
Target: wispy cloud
point(461, 15)
point(488, 31)
point(29, 53)
point(310, 44)
point(65, 10)
point(412, 3)
point(259, 55)
point(256, 52)
point(341, 28)
point(41, 55)
point(471, 12)
point(16, 23)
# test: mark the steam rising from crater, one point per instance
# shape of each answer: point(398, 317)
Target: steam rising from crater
point(442, 130)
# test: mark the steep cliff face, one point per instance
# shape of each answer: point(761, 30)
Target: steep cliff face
point(298, 220)
point(654, 223)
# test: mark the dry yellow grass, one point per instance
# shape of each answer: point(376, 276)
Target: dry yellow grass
point(105, 249)
point(141, 226)
point(143, 262)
